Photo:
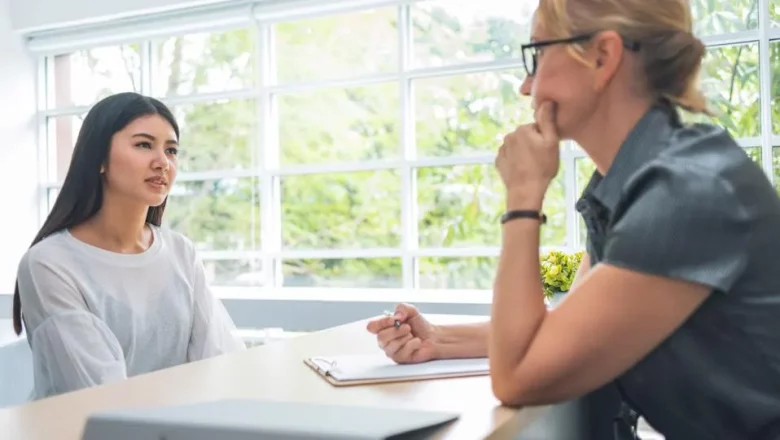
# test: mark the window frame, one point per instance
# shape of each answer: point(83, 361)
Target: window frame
point(269, 173)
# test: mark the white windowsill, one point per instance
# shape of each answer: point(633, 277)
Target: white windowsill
point(310, 309)
point(355, 295)
point(442, 296)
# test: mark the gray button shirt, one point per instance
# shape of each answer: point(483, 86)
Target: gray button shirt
point(686, 202)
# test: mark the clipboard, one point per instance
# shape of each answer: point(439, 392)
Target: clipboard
point(370, 369)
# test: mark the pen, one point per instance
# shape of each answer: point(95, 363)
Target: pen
point(396, 323)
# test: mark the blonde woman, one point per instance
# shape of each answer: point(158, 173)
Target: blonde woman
point(677, 307)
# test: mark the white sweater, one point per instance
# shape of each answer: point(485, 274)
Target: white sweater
point(94, 316)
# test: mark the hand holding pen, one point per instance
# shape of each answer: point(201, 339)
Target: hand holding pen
point(396, 323)
point(405, 336)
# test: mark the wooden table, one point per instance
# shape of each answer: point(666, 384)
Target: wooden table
point(276, 372)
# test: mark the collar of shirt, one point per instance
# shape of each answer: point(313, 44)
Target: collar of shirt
point(644, 143)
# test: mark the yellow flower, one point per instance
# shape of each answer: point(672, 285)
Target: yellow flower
point(558, 270)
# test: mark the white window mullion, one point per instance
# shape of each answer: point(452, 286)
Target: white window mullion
point(408, 191)
point(42, 137)
point(568, 161)
point(230, 255)
point(765, 88)
point(754, 141)
point(302, 170)
point(733, 38)
point(196, 98)
point(268, 158)
point(274, 12)
point(340, 83)
point(49, 171)
point(360, 253)
point(42, 83)
point(455, 69)
point(48, 81)
point(146, 68)
point(65, 111)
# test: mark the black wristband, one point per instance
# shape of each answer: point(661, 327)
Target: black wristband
point(511, 215)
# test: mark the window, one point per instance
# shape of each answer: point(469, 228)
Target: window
point(718, 18)
point(343, 272)
point(218, 215)
point(730, 80)
point(467, 114)
point(457, 273)
point(355, 210)
point(61, 138)
point(205, 62)
point(338, 46)
point(208, 144)
point(355, 149)
point(83, 77)
point(447, 32)
point(331, 125)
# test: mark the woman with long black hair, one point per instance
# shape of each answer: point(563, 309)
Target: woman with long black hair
point(105, 292)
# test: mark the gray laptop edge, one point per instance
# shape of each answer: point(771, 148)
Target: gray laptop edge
point(262, 419)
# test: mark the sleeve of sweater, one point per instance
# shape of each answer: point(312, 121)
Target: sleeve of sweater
point(71, 347)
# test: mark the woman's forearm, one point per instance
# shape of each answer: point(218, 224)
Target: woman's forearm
point(516, 316)
point(518, 302)
point(462, 341)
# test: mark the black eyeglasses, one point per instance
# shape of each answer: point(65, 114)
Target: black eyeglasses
point(531, 50)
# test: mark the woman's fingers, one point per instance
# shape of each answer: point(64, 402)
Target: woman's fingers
point(375, 326)
point(396, 345)
point(389, 334)
point(405, 354)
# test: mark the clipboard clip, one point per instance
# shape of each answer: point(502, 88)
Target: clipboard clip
point(319, 361)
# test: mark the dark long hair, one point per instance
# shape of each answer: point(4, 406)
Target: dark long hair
point(81, 195)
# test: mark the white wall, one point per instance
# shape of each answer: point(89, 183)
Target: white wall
point(29, 15)
point(18, 151)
